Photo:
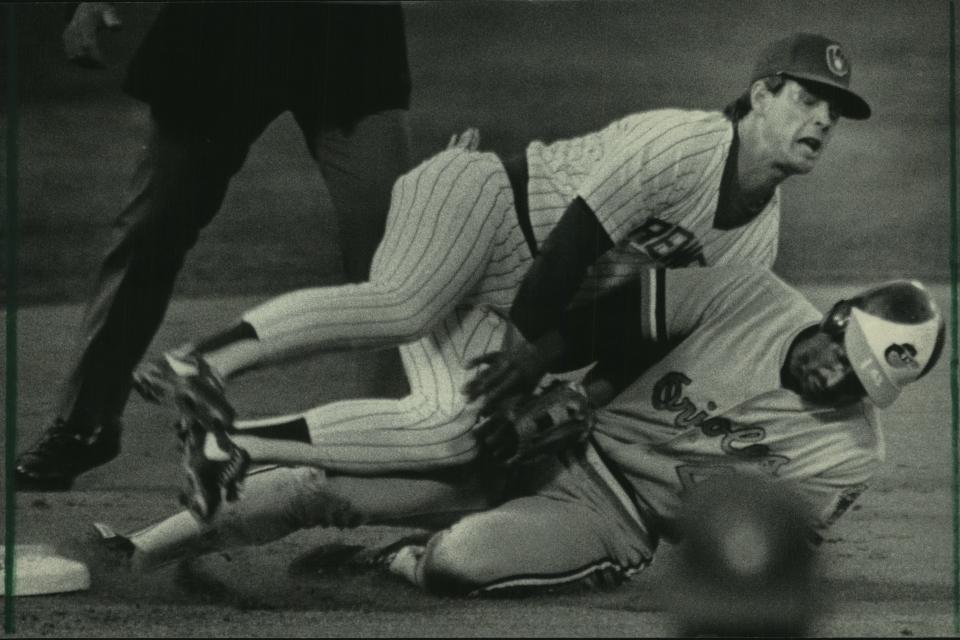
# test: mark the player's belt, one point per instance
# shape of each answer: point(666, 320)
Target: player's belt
point(516, 167)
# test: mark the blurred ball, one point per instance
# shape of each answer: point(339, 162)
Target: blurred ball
point(747, 565)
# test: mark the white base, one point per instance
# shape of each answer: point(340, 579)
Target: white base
point(39, 570)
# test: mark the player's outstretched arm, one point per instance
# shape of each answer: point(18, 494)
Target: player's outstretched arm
point(559, 270)
point(546, 291)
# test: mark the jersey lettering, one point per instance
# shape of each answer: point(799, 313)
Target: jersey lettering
point(668, 390)
point(735, 440)
point(668, 244)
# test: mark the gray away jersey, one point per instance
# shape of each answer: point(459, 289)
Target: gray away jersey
point(714, 404)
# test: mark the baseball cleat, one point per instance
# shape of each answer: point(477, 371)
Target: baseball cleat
point(405, 561)
point(119, 547)
point(197, 390)
point(384, 557)
point(213, 466)
point(62, 453)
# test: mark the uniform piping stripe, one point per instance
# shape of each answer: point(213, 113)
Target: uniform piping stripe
point(548, 580)
point(660, 313)
point(648, 301)
point(616, 483)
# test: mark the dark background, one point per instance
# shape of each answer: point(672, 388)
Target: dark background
point(877, 206)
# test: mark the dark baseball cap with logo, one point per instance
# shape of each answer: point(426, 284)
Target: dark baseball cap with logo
point(812, 58)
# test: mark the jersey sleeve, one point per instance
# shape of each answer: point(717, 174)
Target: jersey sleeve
point(831, 491)
point(653, 163)
point(631, 327)
point(675, 302)
point(830, 496)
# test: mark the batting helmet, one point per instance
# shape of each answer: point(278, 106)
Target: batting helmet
point(893, 335)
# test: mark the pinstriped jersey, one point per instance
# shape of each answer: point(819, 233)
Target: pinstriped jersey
point(653, 181)
point(715, 405)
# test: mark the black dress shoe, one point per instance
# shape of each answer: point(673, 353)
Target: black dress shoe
point(62, 453)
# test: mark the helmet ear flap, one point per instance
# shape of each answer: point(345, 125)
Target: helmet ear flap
point(834, 324)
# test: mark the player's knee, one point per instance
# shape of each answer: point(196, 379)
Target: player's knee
point(449, 568)
point(315, 504)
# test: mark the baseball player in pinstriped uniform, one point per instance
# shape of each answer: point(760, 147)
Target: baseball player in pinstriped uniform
point(678, 407)
point(669, 185)
point(643, 199)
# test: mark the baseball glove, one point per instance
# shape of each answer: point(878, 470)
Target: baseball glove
point(528, 427)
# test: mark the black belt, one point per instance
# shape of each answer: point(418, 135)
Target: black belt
point(516, 167)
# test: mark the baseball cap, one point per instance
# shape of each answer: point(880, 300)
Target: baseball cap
point(894, 335)
point(813, 58)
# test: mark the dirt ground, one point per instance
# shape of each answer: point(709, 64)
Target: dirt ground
point(886, 566)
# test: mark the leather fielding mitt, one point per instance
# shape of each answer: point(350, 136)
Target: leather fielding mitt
point(526, 428)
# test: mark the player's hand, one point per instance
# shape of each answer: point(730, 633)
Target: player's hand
point(527, 427)
point(469, 140)
point(497, 435)
point(81, 37)
point(504, 374)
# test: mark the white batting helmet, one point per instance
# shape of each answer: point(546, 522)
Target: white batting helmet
point(893, 335)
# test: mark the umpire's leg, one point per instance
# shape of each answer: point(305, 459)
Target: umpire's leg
point(177, 188)
point(359, 165)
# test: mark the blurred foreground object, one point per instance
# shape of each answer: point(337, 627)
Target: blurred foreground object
point(747, 562)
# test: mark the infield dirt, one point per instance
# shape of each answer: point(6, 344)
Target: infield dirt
point(886, 565)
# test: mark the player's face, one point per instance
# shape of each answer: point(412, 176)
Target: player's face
point(820, 371)
point(799, 124)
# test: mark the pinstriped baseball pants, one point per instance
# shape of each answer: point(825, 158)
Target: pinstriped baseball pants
point(447, 269)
